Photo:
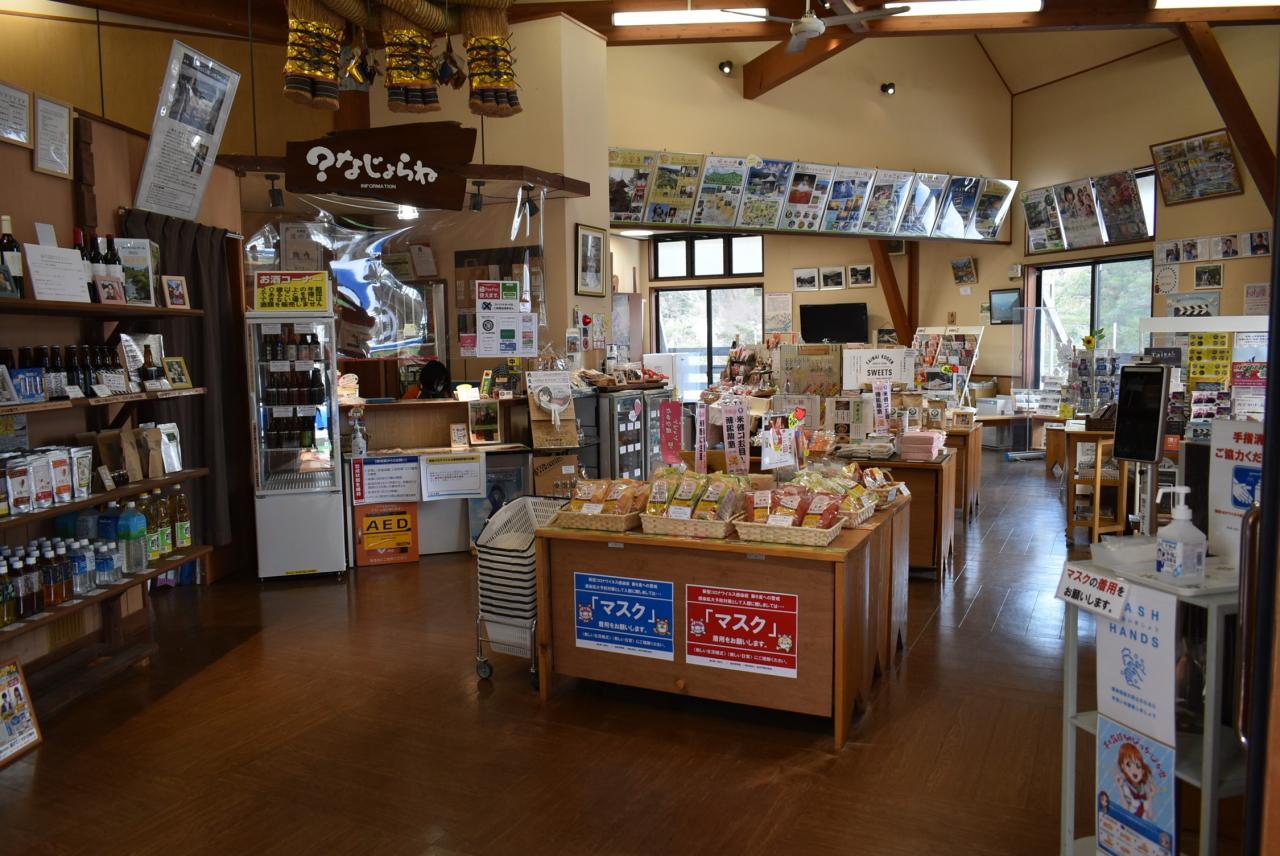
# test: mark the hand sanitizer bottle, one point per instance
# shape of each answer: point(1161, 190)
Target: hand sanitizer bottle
point(1180, 546)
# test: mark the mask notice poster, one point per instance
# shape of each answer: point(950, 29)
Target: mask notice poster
point(624, 615)
point(195, 101)
point(1136, 663)
point(1135, 793)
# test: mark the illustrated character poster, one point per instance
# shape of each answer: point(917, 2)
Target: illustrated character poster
point(1135, 793)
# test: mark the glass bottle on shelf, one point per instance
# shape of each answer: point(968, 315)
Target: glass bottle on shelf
point(149, 370)
point(56, 383)
point(181, 515)
point(291, 347)
point(83, 247)
point(8, 609)
point(26, 357)
point(164, 522)
point(279, 348)
point(31, 585)
point(11, 255)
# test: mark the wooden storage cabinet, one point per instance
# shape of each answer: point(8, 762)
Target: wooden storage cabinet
point(967, 443)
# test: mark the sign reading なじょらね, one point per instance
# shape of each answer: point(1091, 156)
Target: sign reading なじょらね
point(386, 163)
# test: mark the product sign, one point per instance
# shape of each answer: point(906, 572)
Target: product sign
point(458, 476)
point(700, 439)
point(1092, 591)
point(736, 455)
point(876, 365)
point(671, 430)
point(393, 478)
point(291, 291)
point(1235, 481)
point(20, 732)
point(624, 615)
point(1136, 663)
point(506, 334)
point(1135, 788)
point(742, 630)
point(386, 533)
point(497, 296)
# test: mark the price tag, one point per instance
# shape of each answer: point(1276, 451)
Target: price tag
point(781, 519)
point(306, 410)
point(282, 412)
point(271, 329)
point(73, 391)
point(101, 390)
point(155, 385)
point(505, 394)
point(303, 365)
point(593, 508)
point(1093, 591)
point(279, 366)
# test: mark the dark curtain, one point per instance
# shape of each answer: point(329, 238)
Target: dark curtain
point(198, 253)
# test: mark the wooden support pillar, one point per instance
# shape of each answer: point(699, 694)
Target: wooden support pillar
point(775, 66)
point(913, 285)
point(353, 110)
point(1230, 100)
point(889, 285)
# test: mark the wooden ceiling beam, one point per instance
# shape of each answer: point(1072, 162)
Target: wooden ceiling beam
point(889, 285)
point(228, 17)
point(775, 66)
point(1234, 107)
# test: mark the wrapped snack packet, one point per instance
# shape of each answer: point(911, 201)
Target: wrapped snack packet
point(759, 504)
point(624, 497)
point(589, 496)
point(822, 512)
point(717, 502)
point(660, 493)
point(788, 507)
point(686, 496)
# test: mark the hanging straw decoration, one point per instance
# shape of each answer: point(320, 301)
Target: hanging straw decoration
point(411, 69)
point(488, 45)
point(311, 60)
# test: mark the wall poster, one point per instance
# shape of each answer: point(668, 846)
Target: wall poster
point(847, 200)
point(673, 186)
point(993, 205)
point(721, 191)
point(623, 615)
point(1044, 231)
point(1078, 213)
point(1136, 663)
point(1121, 207)
point(887, 199)
point(1196, 168)
point(195, 102)
point(766, 189)
point(21, 732)
point(1136, 790)
point(629, 174)
point(742, 630)
point(807, 197)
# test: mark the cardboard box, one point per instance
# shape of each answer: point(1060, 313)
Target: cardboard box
point(554, 475)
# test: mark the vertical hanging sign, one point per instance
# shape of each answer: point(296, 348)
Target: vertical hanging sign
point(700, 440)
point(882, 394)
point(735, 438)
point(670, 424)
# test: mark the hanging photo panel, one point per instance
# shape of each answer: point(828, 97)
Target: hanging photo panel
point(1196, 168)
point(807, 197)
point(673, 187)
point(886, 201)
point(721, 191)
point(1078, 213)
point(958, 204)
point(847, 199)
point(923, 203)
point(992, 207)
point(629, 173)
point(767, 184)
point(1121, 207)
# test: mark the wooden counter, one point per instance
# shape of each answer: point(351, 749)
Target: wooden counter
point(968, 445)
point(933, 516)
point(842, 611)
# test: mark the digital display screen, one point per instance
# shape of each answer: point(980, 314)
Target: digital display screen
point(1140, 412)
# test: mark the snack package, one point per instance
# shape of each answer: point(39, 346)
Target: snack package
point(788, 507)
point(822, 512)
point(41, 480)
point(759, 504)
point(660, 493)
point(60, 467)
point(589, 496)
point(686, 496)
point(717, 501)
point(18, 485)
point(82, 465)
point(624, 497)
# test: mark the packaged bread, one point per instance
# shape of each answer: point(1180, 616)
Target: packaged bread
point(788, 507)
point(624, 497)
point(660, 493)
point(589, 496)
point(686, 496)
point(759, 504)
point(822, 512)
point(718, 501)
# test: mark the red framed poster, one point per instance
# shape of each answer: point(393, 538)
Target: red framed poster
point(743, 630)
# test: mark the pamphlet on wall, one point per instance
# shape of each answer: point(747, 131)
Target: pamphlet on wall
point(191, 115)
point(766, 188)
point(673, 187)
point(807, 197)
point(721, 191)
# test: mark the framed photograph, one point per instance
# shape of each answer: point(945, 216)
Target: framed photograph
point(1195, 249)
point(21, 732)
point(15, 115)
point(804, 279)
point(896, 246)
point(1208, 277)
point(175, 371)
point(1196, 167)
point(589, 261)
point(1225, 247)
point(1260, 243)
point(51, 154)
point(484, 422)
point(964, 271)
point(109, 290)
point(1006, 306)
point(862, 276)
point(173, 292)
point(832, 278)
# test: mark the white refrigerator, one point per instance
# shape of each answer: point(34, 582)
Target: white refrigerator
point(685, 378)
point(298, 505)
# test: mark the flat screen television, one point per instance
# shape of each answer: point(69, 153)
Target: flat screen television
point(833, 322)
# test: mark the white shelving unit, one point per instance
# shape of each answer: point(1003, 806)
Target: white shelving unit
point(1214, 761)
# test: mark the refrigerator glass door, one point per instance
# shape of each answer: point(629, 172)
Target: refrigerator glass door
point(294, 404)
point(653, 431)
point(628, 418)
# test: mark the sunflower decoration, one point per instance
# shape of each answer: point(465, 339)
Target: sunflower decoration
point(1091, 341)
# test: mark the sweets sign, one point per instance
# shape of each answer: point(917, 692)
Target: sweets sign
point(377, 163)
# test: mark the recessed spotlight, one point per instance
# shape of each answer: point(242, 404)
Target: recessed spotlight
point(888, 88)
point(477, 196)
point(726, 67)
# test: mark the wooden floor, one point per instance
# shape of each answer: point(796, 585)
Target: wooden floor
point(345, 717)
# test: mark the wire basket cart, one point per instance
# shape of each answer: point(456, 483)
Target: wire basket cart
point(506, 574)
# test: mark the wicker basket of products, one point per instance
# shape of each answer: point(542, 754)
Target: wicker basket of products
point(693, 506)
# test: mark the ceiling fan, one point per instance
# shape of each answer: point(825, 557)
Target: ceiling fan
point(810, 26)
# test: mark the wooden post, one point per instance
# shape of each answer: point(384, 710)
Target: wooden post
point(913, 285)
point(353, 110)
point(775, 66)
point(889, 285)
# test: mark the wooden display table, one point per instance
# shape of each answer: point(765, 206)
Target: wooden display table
point(1093, 519)
point(933, 516)
point(1035, 423)
point(1055, 448)
point(801, 629)
point(968, 445)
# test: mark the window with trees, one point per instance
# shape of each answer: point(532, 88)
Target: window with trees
point(693, 256)
point(703, 322)
point(1109, 294)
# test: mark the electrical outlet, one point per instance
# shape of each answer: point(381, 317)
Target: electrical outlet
point(951, 317)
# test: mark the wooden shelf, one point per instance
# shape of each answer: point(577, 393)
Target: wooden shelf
point(31, 306)
point(77, 604)
point(109, 401)
point(133, 489)
point(427, 402)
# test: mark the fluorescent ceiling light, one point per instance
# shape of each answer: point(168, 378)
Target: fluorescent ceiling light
point(636, 233)
point(685, 16)
point(1210, 4)
point(967, 7)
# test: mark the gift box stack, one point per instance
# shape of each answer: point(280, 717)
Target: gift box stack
point(920, 445)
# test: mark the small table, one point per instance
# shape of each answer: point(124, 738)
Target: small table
point(933, 507)
point(968, 445)
point(1093, 521)
point(1055, 448)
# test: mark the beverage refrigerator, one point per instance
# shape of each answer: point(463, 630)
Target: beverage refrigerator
point(298, 504)
point(622, 435)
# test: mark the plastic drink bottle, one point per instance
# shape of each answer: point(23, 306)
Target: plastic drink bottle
point(164, 522)
point(1180, 546)
point(104, 565)
point(108, 520)
point(133, 533)
point(87, 524)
